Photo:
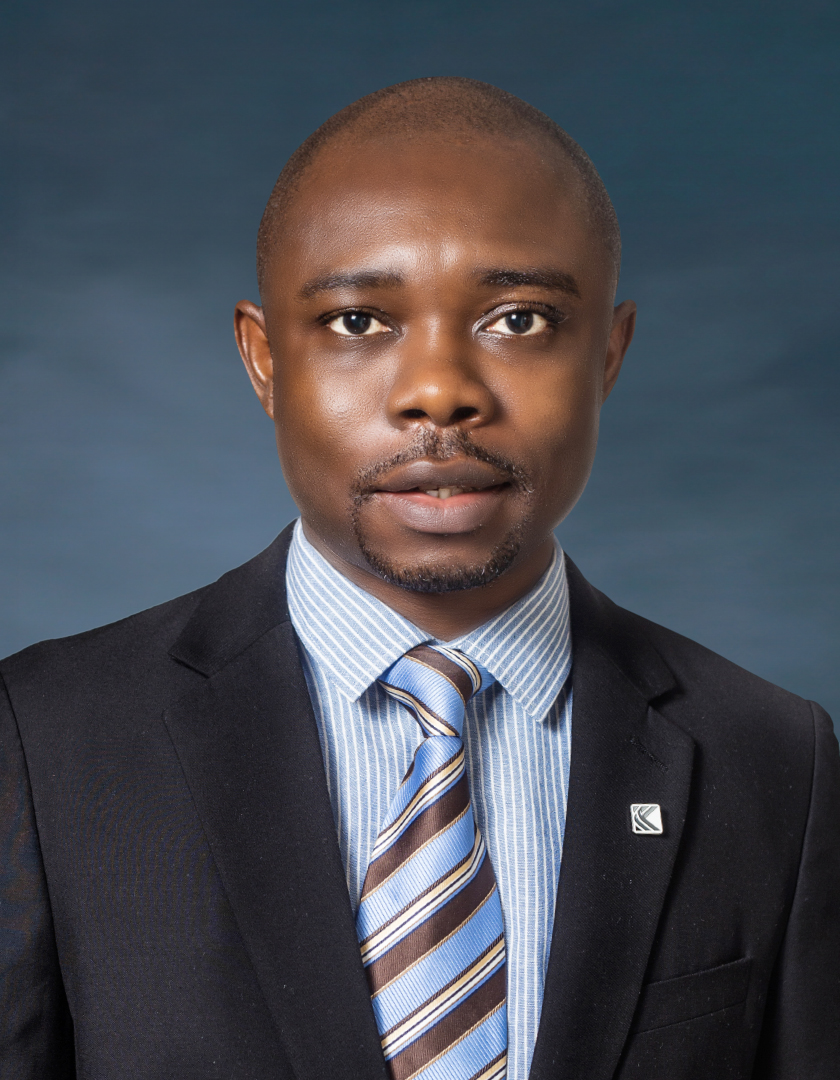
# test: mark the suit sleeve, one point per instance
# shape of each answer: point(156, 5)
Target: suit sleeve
point(801, 1032)
point(36, 1040)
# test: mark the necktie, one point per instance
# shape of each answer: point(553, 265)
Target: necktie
point(429, 921)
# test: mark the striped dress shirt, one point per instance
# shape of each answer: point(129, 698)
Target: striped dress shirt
point(517, 736)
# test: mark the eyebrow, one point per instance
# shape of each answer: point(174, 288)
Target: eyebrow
point(358, 279)
point(544, 278)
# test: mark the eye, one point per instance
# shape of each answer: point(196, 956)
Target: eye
point(357, 324)
point(519, 323)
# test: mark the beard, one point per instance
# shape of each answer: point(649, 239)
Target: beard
point(428, 576)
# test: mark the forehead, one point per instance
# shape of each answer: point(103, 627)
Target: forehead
point(436, 201)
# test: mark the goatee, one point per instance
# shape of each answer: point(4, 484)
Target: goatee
point(430, 577)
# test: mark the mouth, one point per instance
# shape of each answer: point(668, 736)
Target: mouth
point(441, 497)
point(442, 479)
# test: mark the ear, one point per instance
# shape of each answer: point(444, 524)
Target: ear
point(621, 334)
point(249, 328)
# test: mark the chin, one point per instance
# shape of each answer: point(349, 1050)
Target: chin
point(442, 576)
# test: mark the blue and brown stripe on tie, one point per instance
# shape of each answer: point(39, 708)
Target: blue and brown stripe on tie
point(429, 921)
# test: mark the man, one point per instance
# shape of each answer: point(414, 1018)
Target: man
point(405, 796)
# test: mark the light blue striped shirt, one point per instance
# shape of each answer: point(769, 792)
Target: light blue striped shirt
point(517, 736)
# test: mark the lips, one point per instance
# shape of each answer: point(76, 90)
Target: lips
point(440, 497)
point(442, 479)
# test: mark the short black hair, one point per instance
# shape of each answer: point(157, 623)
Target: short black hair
point(449, 104)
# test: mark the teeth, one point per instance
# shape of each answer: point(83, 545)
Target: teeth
point(447, 492)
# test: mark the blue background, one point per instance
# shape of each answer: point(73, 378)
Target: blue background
point(135, 462)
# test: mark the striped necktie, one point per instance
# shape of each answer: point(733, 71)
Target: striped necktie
point(430, 922)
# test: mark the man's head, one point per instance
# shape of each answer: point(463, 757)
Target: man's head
point(437, 267)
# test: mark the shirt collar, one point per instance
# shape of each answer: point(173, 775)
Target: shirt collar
point(528, 647)
point(350, 634)
point(354, 637)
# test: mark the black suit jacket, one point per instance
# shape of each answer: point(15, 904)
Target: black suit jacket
point(173, 904)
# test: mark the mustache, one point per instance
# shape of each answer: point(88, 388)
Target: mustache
point(430, 445)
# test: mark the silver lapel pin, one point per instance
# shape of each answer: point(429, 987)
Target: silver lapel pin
point(646, 818)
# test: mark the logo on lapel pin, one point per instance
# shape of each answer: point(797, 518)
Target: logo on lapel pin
point(646, 818)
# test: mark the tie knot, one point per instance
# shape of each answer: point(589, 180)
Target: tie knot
point(435, 683)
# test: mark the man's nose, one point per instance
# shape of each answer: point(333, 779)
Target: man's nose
point(440, 381)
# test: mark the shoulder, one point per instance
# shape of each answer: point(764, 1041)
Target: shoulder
point(108, 658)
point(720, 682)
point(137, 661)
point(707, 695)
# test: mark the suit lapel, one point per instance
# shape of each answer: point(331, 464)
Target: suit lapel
point(248, 744)
point(613, 883)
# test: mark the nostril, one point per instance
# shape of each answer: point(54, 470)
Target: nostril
point(466, 412)
point(414, 414)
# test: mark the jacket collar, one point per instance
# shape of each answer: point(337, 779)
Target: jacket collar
point(236, 610)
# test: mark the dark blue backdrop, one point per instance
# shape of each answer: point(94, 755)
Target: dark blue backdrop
point(135, 462)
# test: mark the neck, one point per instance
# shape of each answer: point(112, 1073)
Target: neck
point(446, 615)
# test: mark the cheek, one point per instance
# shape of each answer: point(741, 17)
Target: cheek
point(321, 417)
point(556, 415)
